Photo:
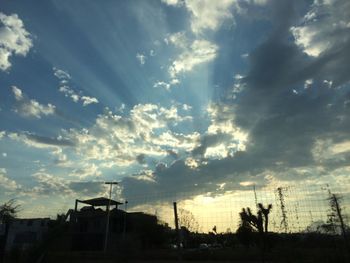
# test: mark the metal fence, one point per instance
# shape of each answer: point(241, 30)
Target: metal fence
point(295, 208)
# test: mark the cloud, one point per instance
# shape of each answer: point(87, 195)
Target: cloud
point(88, 100)
point(208, 14)
point(7, 183)
point(115, 140)
point(14, 39)
point(166, 85)
point(200, 51)
point(31, 108)
point(50, 185)
point(223, 137)
point(68, 91)
point(141, 58)
point(275, 135)
point(86, 171)
point(326, 25)
point(141, 158)
point(41, 142)
point(61, 74)
point(205, 14)
point(173, 2)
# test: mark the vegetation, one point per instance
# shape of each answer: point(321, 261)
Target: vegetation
point(187, 220)
point(8, 212)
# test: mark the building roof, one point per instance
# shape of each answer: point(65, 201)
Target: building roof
point(100, 201)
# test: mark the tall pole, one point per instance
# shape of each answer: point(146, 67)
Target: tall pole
point(124, 229)
point(177, 231)
point(108, 212)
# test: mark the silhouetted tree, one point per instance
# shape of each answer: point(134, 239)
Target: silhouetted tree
point(245, 233)
point(265, 212)
point(8, 212)
point(187, 220)
point(256, 222)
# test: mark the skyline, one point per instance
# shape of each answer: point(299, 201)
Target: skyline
point(208, 96)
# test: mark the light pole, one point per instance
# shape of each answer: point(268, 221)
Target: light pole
point(108, 212)
point(124, 230)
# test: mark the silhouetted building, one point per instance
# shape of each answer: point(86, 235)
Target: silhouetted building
point(88, 225)
point(24, 233)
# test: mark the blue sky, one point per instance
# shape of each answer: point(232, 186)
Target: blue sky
point(207, 96)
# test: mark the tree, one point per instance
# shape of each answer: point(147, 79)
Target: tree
point(254, 221)
point(8, 212)
point(250, 222)
point(187, 220)
point(265, 212)
point(245, 233)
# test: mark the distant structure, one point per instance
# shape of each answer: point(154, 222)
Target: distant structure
point(24, 233)
point(85, 228)
point(88, 224)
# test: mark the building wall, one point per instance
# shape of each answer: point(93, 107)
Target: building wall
point(26, 232)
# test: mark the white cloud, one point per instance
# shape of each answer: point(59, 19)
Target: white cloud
point(199, 52)
point(61, 74)
point(308, 83)
point(211, 14)
point(325, 149)
point(162, 84)
point(88, 100)
point(173, 2)
point(223, 137)
point(49, 184)
point(321, 26)
point(14, 39)
point(18, 93)
point(166, 85)
point(64, 78)
point(7, 183)
point(208, 14)
point(141, 58)
point(29, 107)
point(178, 39)
point(86, 171)
point(118, 140)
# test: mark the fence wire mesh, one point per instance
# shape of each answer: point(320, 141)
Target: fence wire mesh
point(295, 208)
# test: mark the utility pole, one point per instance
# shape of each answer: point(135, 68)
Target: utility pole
point(108, 212)
point(177, 231)
point(126, 207)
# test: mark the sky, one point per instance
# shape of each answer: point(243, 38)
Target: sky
point(203, 97)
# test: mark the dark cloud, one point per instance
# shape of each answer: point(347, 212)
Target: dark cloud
point(172, 154)
point(284, 120)
point(90, 188)
point(49, 140)
point(141, 158)
point(210, 140)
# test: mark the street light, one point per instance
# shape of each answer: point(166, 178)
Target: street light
point(108, 212)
